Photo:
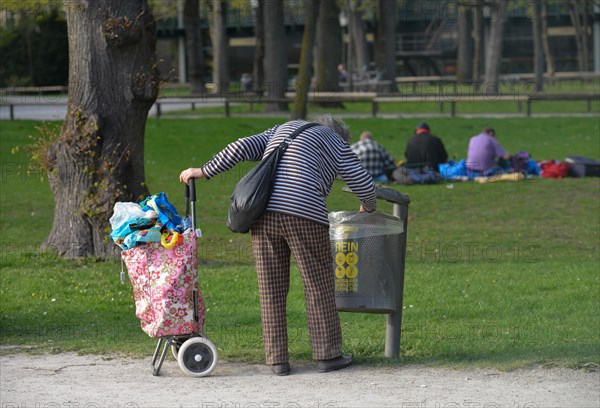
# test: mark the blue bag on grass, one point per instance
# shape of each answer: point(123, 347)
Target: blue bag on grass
point(453, 170)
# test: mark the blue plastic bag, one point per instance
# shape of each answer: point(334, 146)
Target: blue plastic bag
point(453, 170)
point(167, 214)
point(145, 235)
point(533, 168)
point(126, 229)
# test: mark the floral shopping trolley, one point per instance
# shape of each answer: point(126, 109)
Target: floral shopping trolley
point(164, 276)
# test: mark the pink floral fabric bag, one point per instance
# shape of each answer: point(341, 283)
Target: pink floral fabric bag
point(164, 281)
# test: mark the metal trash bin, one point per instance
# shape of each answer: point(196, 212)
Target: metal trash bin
point(369, 252)
point(367, 260)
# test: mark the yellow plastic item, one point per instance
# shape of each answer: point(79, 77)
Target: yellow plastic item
point(500, 177)
point(164, 239)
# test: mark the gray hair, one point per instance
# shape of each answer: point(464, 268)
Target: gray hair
point(366, 135)
point(334, 124)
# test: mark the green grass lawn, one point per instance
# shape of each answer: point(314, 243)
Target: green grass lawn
point(504, 274)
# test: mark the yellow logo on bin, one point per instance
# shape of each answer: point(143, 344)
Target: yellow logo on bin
point(351, 258)
point(351, 271)
point(346, 271)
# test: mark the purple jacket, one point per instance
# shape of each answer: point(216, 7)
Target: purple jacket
point(483, 151)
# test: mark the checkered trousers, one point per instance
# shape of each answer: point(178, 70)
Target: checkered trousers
point(274, 238)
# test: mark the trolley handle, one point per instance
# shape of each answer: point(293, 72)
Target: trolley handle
point(190, 200)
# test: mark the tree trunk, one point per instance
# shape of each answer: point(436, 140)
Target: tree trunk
point(315, 51)
point(579, 35)
point(98, 158)
point(385, 48)
point(25, 20)
point(538, 49)
point(220, 45)
point(258, 72)
point(477, 42)
point(494, 57)
point(275, 62)
point(464, 57)
point(545, 40)
point(585, 35)
point(358, 41)
point(193, 44)
point(304, 71)
point(329, 48)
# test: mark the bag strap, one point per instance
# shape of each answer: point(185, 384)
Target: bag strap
point(289, 139)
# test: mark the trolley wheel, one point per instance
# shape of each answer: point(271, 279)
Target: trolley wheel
point(175, 350)
point(197, 357)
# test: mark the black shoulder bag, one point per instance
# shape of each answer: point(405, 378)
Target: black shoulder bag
point(252, 193)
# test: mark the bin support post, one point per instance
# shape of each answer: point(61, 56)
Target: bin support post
point(393, 327)
point(392, 334)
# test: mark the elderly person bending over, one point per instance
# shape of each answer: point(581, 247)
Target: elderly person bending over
point(296, 223)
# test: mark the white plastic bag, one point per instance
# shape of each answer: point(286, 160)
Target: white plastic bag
point(124, 212)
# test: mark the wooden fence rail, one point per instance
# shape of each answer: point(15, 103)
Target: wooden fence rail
point(346, 97)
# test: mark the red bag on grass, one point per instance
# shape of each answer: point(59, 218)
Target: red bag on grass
point(554, 169)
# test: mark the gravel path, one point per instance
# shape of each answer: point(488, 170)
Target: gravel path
point(71, 381)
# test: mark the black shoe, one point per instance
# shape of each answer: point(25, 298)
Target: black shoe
point(337, 363)
point(281, 369)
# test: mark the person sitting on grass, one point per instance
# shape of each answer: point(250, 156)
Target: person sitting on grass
point(373, 157)
point(425, 151)
point(484, 150)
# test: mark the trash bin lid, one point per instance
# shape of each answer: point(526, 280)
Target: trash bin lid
point(354, 224)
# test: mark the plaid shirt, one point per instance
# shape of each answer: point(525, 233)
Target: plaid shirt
point(373, 157)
